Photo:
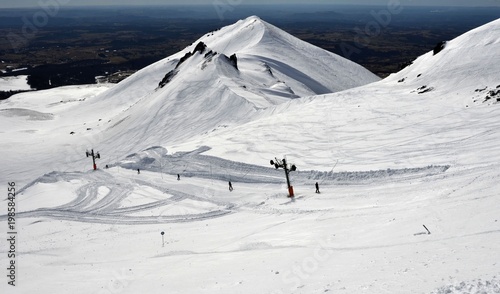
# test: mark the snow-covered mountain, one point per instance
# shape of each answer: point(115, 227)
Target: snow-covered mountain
point(223, 79)
point(457, 67)
point(417, 106)
point(420, 147)
point(186, 95)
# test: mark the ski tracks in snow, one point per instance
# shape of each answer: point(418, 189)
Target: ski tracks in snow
point(101, 200)
point(108, 196)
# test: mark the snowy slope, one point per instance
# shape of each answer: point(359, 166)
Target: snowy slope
point(205, 92)
point(390, 157)
point(423, 107)
point(14, 83)
point(466, 63)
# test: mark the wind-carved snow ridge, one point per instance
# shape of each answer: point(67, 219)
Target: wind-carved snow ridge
point(103, 197)
point(200, 49)
point(195, 164)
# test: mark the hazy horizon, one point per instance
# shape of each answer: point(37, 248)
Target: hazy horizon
point(85, 3)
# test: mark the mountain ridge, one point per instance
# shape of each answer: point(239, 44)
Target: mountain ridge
point(435, 87)
point(201, 78)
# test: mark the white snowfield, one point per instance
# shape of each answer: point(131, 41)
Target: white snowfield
point(420, 147)
point(14, 83)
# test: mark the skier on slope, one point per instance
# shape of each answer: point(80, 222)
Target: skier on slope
point(317, 187)
point(230, 186)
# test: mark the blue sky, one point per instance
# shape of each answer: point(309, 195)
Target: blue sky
point(35, 3)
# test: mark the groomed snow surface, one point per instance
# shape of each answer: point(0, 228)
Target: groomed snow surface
point(418, 148)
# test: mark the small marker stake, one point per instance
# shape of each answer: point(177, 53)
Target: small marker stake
point(428, 232)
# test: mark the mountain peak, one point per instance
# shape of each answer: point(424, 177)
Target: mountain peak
point(243, 34)
point(253, 18)
point(225, 77)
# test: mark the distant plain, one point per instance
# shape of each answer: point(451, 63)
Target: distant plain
point(78, 44)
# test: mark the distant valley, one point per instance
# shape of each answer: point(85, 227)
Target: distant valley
point(78, 45)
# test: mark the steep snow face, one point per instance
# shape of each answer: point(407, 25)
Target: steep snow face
point(289, 57)
point(201, 95)
point(223, 79)
point(266, 55)
point(465, 65)
point(438, 105)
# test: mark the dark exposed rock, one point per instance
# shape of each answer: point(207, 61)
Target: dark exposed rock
point(183, 58)
point(200, 48)
point(7, 94)
point(268, 69)
point(168, 77)
point(425, 89)
point(439, 47)
point(234, 61)
point(208, 58)
point(405, 64)
point(210, 54)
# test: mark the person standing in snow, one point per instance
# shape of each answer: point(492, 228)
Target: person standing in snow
point(317, 187)
point(138, 171)
point(230, 186)
point(178, 177)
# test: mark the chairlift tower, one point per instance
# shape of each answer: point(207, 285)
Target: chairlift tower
point(277, 163)
point(94, 156)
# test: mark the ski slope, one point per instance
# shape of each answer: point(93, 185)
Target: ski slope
point(417, 148)
point(207, 93)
